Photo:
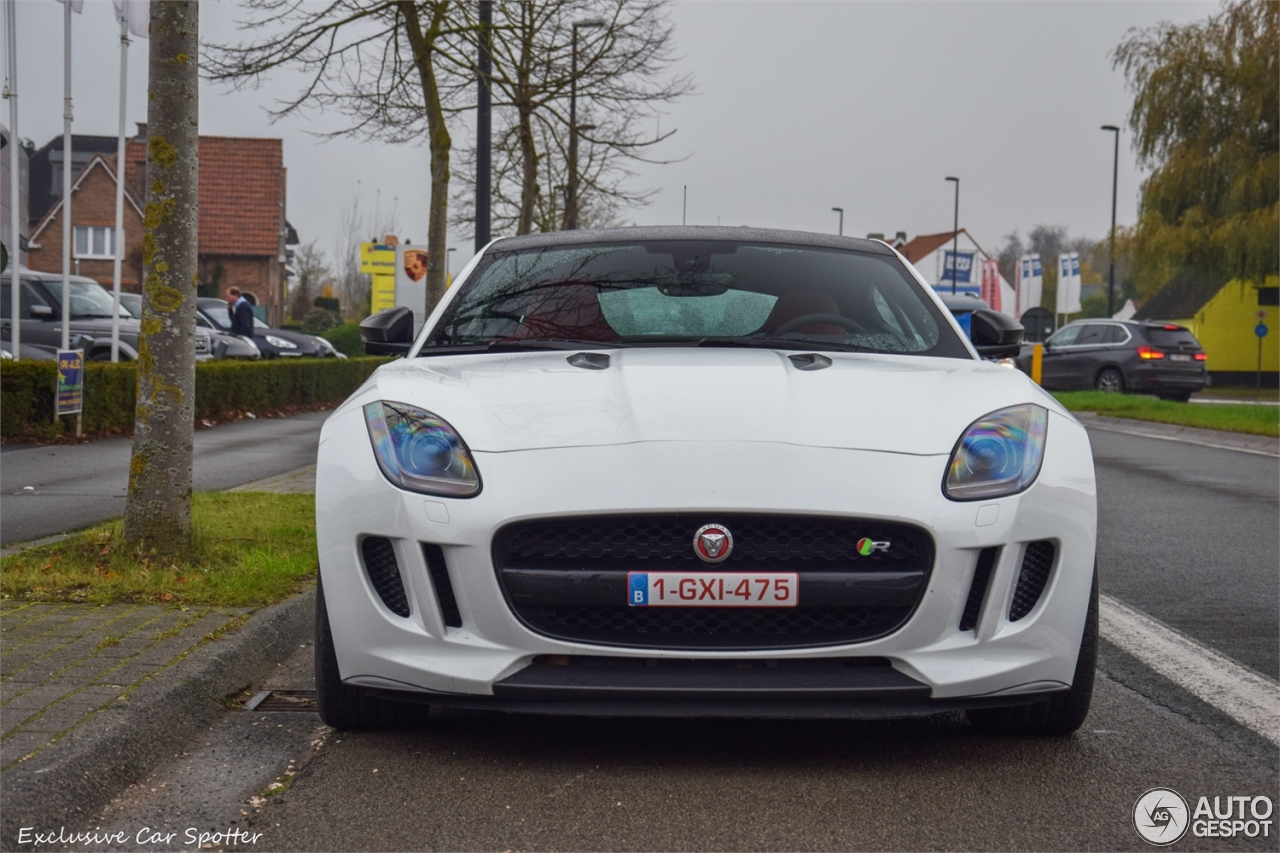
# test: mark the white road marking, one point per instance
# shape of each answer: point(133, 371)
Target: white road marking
point(1248, 697)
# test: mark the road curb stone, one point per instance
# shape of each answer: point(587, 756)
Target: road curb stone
point(69, 781)
point(1262, 444)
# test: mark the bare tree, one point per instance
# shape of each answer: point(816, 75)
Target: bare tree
point(377, 61)
point(623, 77)
point(158, 507)
point(313, 271)
point(359, 226)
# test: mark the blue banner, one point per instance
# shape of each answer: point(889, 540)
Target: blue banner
point(963, 269)
point(70, 381)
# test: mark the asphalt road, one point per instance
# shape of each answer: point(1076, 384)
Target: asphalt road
point(81, 484)
point(1188, 535)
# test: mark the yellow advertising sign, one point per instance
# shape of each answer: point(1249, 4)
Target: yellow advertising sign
point(377, 259)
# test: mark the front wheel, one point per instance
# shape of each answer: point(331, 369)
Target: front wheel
point(344, 706)
point(1064, 712)
point(1110, 381)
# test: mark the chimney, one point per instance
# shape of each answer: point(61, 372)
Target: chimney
point(900, 239)
point(142, 131)
point(875, 235)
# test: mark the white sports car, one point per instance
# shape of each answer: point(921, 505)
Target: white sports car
point(703, 471)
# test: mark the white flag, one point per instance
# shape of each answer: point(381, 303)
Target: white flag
point(138, 12)
point(1068, 301)
point(1030, 282)
point(77, 6)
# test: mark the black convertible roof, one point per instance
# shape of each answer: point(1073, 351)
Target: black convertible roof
point(658, 233)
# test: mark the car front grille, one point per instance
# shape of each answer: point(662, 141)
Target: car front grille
point(567, 578)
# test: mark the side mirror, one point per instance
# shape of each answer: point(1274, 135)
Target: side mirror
point(995, 335)
point(40, 312)
point(388, 332)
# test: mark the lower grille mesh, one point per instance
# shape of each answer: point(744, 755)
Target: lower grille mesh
point(978, 589)
point(384, 573)
point(1037, 562)
point(714, 627)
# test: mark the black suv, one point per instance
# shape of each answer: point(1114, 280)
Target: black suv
point(1122, 355)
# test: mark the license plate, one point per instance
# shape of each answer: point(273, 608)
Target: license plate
point(713, 589)
point(1176, 357)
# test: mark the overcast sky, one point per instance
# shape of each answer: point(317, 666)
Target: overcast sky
point(800, 107)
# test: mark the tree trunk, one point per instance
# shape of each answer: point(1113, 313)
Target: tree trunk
point(158, 508)
point(438, 141)
point(524, 105)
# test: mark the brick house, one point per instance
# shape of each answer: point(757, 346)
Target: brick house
point(93, 213)
point(242, 229)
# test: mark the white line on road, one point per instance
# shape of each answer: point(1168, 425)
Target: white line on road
point(1248, 697)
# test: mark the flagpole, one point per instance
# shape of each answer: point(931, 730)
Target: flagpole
point(120, 170)
point(66, 175)
point(15, 166)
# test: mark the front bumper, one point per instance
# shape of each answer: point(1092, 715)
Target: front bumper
point(997, 661)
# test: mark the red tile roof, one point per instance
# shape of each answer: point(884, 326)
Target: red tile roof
point(923, 244)
point(241, 193)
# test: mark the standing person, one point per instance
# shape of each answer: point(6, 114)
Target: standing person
point(241, 312)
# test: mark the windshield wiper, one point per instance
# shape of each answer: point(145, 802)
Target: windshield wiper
point(533, 344)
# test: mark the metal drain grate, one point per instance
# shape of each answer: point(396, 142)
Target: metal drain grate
point(283, 700)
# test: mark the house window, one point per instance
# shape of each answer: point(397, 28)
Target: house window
point(95, 242)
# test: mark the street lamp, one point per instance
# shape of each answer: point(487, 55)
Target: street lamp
point(1115, 175)
point(955, 237)
point(571, 214)
point(840, 210)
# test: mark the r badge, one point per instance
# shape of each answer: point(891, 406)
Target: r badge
point(713, 543)
point(867, 546)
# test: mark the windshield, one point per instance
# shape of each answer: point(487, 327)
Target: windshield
point(88, 298)
point(697, 292)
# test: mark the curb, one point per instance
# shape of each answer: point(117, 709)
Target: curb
point(1220, 439)
point(71, 780)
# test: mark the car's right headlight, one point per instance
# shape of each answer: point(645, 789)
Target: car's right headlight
point(280, 343)
point(998, 455)
point(420, 451)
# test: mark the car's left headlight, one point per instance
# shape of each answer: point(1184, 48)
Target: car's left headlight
point(280, 343)
point(999, 454)
point(420, 451)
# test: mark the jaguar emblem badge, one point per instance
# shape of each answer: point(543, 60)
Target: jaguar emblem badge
point(713, 543)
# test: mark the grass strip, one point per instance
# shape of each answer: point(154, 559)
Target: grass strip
point(1253, 420)
point(251, 549)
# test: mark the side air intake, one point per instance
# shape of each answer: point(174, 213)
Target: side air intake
point(383, 569)
point(978, 589)
point(1036, 565)
point(443, 586)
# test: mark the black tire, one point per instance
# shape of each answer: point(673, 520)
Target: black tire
point(1181, 397)
point(1110, 380)
point(348, 708)
point(1064, 712)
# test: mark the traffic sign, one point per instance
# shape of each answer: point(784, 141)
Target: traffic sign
point(1260, 330)
point(1262, 315)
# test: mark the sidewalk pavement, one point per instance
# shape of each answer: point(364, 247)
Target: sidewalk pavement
point(92, 696)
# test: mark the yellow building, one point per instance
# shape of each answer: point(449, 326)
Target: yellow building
point(1223, 318)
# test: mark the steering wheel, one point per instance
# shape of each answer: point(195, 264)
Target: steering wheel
point(815, 319)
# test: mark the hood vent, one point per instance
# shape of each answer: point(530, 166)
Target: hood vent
point(589, 360)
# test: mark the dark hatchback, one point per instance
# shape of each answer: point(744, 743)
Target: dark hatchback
point(1121, 355)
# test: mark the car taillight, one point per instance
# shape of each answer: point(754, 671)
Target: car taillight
point(1171, 328)
point(1200, 357)
point(1145, 351)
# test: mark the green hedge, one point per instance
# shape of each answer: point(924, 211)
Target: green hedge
point(346, 339)
point(222, 387)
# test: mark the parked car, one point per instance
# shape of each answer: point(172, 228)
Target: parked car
point(702, 471)
point(1122, 355)
point(223, 345)
point(90, 317)
point(273, 343)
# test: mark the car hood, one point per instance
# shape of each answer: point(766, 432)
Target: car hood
point(525, 401)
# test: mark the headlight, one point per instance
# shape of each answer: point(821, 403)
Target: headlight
point(419, 451)
point(280, 343)
point(998, 455)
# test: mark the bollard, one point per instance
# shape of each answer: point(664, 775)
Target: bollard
point(1037, 362)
